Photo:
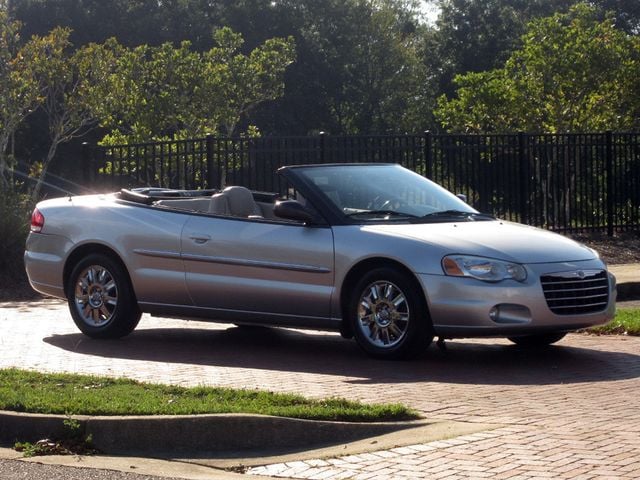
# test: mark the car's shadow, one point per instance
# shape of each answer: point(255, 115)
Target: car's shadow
point(294, 351)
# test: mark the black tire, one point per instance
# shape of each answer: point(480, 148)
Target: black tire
point(539, 340)
point(101, 299)
point(388, 315)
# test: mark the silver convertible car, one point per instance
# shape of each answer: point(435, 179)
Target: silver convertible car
point(373, 251)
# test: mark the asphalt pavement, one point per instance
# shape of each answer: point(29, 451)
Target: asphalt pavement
point(34, 470)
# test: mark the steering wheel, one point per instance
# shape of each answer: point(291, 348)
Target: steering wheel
point(381, 203)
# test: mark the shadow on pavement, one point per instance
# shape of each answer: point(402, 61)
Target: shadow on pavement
point(274, 349)
point(36, 304)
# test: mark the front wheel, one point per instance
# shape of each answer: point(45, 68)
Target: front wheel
point(388, 315)
point(537, 341)
point(101, 299)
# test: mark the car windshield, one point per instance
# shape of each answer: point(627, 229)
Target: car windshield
point(385, 193)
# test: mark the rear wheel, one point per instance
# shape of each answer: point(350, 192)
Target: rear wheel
point(539, 340)
point(101, 299)
point(388, 316)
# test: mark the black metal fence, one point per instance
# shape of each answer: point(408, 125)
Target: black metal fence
point(566, 182)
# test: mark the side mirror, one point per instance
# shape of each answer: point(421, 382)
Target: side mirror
point(292, 210)
point(462, 197)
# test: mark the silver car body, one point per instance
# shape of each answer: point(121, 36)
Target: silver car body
point(273, 271)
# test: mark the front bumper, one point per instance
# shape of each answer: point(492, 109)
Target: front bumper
point(466, 307)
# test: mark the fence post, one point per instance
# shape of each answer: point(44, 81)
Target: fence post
point(609, 193)
point(87, 165)
point(523, 162)
point(428, 154)
point(322, 146)
point(211, 178)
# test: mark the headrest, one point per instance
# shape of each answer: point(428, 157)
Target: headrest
point(240, 200)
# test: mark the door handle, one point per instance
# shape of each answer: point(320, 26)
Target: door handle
point(200, 238)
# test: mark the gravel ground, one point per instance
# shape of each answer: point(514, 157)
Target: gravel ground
point(19, 470)
point(621, 248)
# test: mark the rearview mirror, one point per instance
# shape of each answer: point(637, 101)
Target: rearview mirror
point(292, 210)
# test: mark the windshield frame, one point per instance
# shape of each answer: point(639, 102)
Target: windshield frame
point(303, 177)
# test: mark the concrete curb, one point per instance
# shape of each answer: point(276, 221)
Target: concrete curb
point(221, 464)
point(628, 280)
point(628, 291)
point(192, 435)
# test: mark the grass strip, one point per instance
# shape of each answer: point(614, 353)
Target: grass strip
point(626, 322)
point(26, 391)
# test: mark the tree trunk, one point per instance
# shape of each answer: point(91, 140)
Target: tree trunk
point(35, 194)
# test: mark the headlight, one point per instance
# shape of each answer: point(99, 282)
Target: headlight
point(486, 269)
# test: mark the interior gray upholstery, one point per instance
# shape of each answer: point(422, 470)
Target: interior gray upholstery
point(218, 205)
point(235, 201)
point(267, 210)
point(195, 204)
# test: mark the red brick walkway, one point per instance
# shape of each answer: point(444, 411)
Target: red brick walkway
point(572, 411)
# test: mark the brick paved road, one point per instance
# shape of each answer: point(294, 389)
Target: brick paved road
point(570, 412)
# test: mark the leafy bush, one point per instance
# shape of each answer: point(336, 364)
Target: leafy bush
point(15, 211)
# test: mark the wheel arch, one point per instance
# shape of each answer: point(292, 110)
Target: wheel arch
point(92, 248)
point(357, 271)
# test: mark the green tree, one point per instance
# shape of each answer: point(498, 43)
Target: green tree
point(69, 82)
point(19, 90)
point(149, 92)
point(359, 64)
point(384, 91)
point(626, 13)
point(573, 73)
point(338, 45)
point(478, 35)
point(359, 68)
point(167, 91)
point(237, 83)
point(132, 22)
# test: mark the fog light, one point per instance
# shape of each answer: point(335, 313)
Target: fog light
point(510, 313)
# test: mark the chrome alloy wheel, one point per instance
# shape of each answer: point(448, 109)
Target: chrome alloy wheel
point(383, 314)
point(96, 295)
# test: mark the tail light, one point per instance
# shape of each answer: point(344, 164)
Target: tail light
point(37, 221)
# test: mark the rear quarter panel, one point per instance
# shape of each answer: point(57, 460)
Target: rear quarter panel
point(128, 229)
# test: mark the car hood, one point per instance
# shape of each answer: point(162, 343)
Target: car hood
point(495, 239)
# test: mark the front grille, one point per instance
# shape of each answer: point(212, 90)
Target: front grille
point(576, 292)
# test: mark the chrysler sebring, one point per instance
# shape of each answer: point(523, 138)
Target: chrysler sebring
point(374, 251)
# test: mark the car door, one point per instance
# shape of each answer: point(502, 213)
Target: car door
point(243, 267)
